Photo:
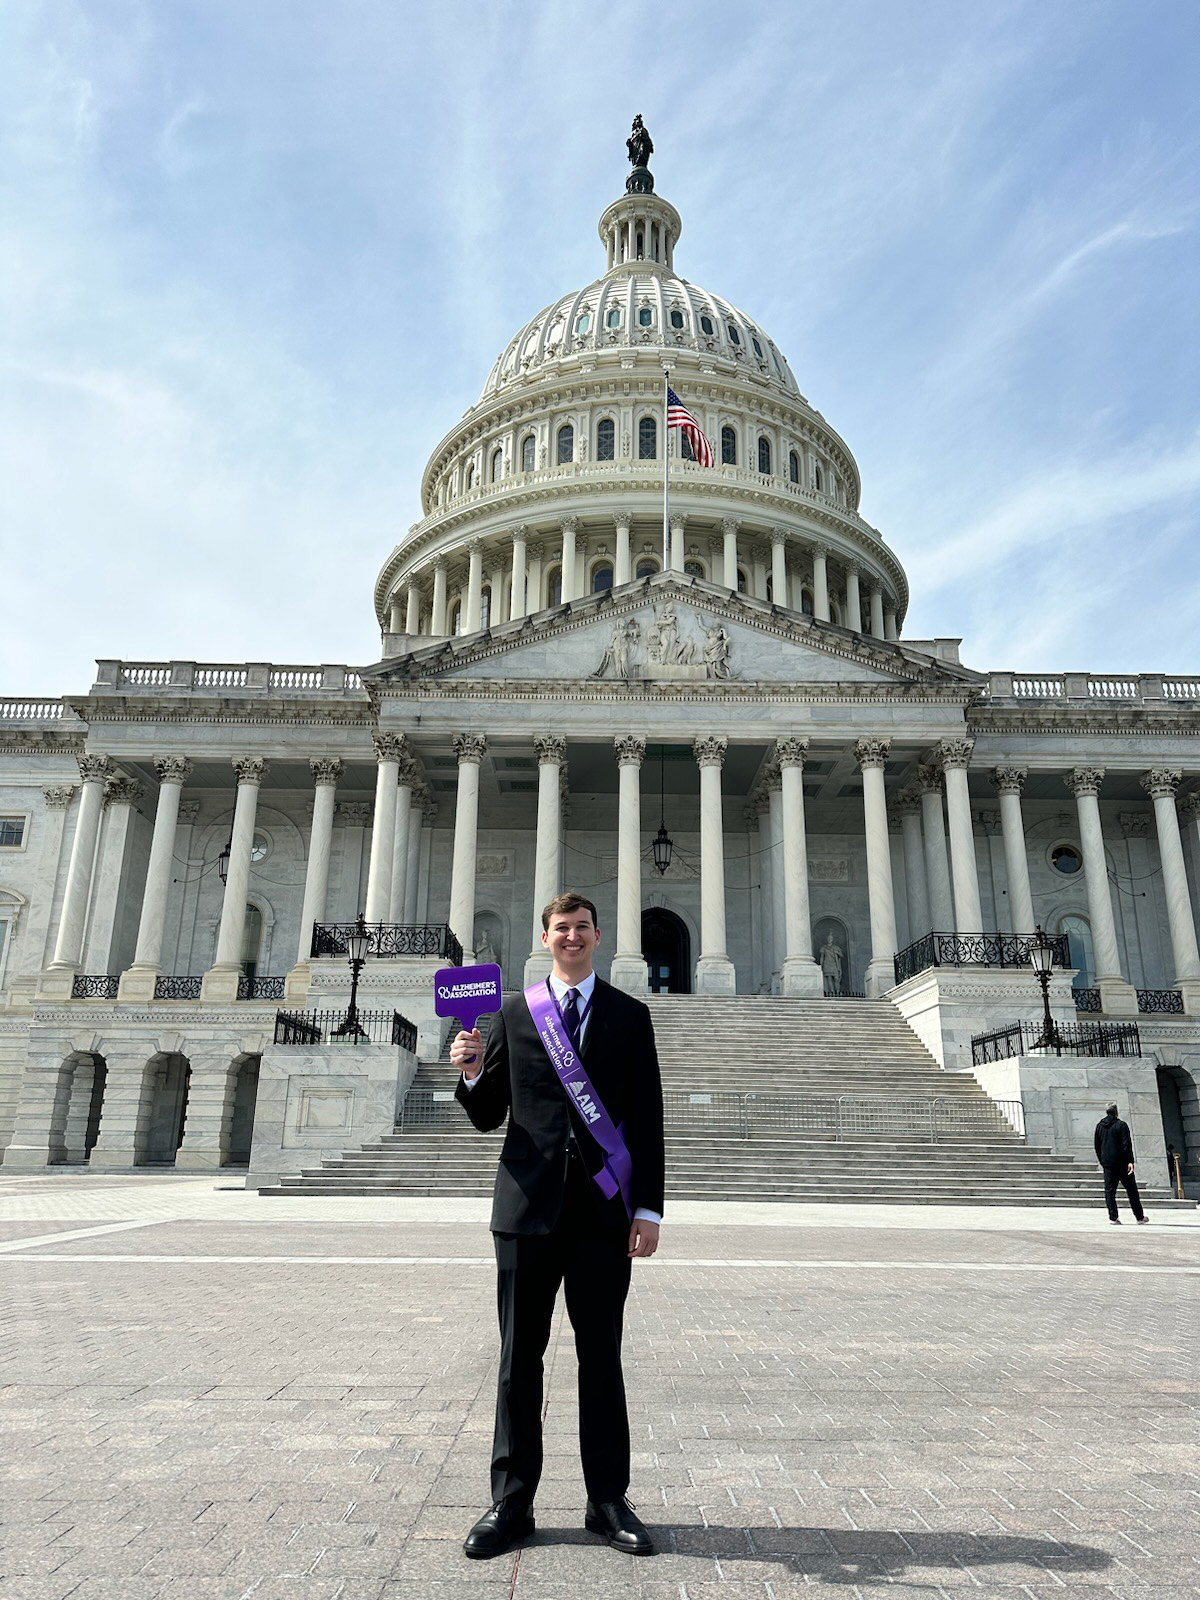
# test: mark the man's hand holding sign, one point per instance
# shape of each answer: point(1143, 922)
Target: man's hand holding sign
point(570, 1070)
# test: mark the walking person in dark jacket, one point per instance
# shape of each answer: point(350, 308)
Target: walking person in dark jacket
point(1114, 1152)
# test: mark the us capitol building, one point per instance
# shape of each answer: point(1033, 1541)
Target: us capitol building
point(840, 809)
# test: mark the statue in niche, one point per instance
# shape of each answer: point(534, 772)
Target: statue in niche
point(716, 652)
point(639, 144)
point(617, 660)
point(831, 965)
point(485, 949)
point(666, 648)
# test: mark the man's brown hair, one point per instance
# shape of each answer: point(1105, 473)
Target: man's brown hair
point(570, 901)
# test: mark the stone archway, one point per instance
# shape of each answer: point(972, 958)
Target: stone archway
point(76, 1107)
point(241, 1126)
point(166, 1115)
point(667, 950)
point(1179, 1100)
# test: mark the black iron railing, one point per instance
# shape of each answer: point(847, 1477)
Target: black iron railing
point(389, 940)
point(345, 1027)
point(1163, 1002)
point(94, 986)
point(260, 988)
point(973, 950)
point(170, 987)
point(1088, 1000)
point(1071, 1039)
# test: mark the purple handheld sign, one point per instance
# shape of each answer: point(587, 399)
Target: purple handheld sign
point(467, 993)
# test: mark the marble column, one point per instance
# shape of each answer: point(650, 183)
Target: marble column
point(853, 600)
point(406, 780)
point(821, 583)
point(420, 833)
point(221, 980)
point(68, 948)
point(623, 570)
point(773, 780)
point(326, 770)
point(760, 913)
point(37, 948)
point(1161, 784)
point(871, 755)
point(570, 574)
point(779, 584)
point(500, 592)
point(928, 783)
point(1009, 783)
point(137, 981)
point(628, 964)
point(876, 611)
point(396, 614)
point(714, 971)
point(389, 752)
point(760, 555)
point(437, 622)
point(535, 551)
point(916, 889)
point(412, 613)
point(890, 629)
point(470, 749)
point(954, 754)
point(517, 605)
point(1116, 995)
point(551, 751)
point(800, 974)
point(678, 530)
point(729, 534)
point(1189, 807)
point(473, 609)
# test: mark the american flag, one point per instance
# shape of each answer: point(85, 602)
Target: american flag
point(678, 416)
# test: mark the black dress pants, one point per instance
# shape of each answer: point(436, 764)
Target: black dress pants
point(1112, 1177)
point(587, 1253)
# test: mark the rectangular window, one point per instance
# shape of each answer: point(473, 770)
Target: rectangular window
point(12, 833)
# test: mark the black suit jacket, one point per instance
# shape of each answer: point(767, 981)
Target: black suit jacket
point(518, 1082)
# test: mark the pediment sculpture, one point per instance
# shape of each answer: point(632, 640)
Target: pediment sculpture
point(668, 652)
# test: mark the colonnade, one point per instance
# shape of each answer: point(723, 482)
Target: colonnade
point(515, 565)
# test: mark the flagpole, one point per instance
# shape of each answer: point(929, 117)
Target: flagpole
point(666, 477)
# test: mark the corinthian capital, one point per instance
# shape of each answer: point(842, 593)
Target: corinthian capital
point(1009, 780)
point(927, 779)
point(122, 792)
point(1084, 780)
point(710, 752)
point(630, 749)
point(872, 752)
point(389, 746)
point(325, 770)
point(173, 769)
point(551, 749)
point(622, 519)
point(250, 769)
point(469, 747)
point(729, 525)
point(1189, 806)
point(94, 769)
point(58, 796)
point(569, 526)
point(1160, 783)
point(791, 752)
point(955, 752)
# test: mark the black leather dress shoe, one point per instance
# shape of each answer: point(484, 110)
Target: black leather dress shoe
point(506, 1524)
point(615, 1521)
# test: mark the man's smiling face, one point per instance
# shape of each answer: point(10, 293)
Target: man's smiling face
point(571, 939)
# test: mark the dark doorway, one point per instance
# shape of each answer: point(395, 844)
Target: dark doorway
point(668, 952)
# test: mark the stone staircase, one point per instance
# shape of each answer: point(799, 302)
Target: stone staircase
point(766, 1099)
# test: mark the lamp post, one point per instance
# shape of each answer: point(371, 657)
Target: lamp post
point(356, 949)
point(223, 861)
point(1041, 959)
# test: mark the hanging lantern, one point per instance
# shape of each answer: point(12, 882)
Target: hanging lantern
point(662, 847)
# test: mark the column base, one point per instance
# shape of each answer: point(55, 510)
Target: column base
point(220, 984)
point(537, 966)
point(197, 1160)
point(1189, 988)
point(629, 973)
point(56, 983)
point(715, 975)
point(114, 1159)
point(1117, 998)
point(802, 978)
point(137, 985)
point(881, 976)
point(296, 984)
point(26, 1158)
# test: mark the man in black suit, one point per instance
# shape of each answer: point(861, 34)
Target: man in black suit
point(552, 1225)
point(1114, 1152)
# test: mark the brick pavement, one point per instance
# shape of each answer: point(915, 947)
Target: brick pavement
point(232, 1404)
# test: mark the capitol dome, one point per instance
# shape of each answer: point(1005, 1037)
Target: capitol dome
point(551, 485)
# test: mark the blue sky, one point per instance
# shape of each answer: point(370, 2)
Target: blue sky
point(256, 256)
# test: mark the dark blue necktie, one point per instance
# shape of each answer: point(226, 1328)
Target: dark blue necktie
point(571, 1017)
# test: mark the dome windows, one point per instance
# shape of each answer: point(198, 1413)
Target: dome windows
point(612, 317)
point(793, 467)
point(757, 349)
point(706, 326)
point(694, 569)
point(734, 336)
point(566, 444)
point(647, 439)
point(677, 319)
point(728, 446)
point(470, 476)
point(685, 445)
point(647, 567)
point(606, 440)
point(497, 464)
point(764, 455)
point(602, 578)
point(554, 586)
point(528, 451)
point(818, 476)
point(583, 323)
point(645, 317)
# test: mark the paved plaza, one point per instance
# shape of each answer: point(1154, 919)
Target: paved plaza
point(208, 1396)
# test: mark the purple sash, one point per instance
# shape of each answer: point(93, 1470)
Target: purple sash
point(616, 1174)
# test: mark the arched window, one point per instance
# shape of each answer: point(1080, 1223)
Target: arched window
point(606, 440)
point(566, 444)
point(612, 317)
point(764, 455)
point(757, 348)
point(641, 245)
point(806, 602)
point(818, 478)
point(743, 583)
point(485, 607)
point(693, 569)
point(470, 476)
point(554, 586)
point(251, 939)
point(456, 617)
point(728, 446)
point(647, 439)
point(497, 465)
point(1079, 944)
point(602, 578)
point(793, 467)
point(685, 445)
point(527, 453)
point(646, 567)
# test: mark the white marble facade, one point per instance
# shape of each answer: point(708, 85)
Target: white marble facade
point(554, 678)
